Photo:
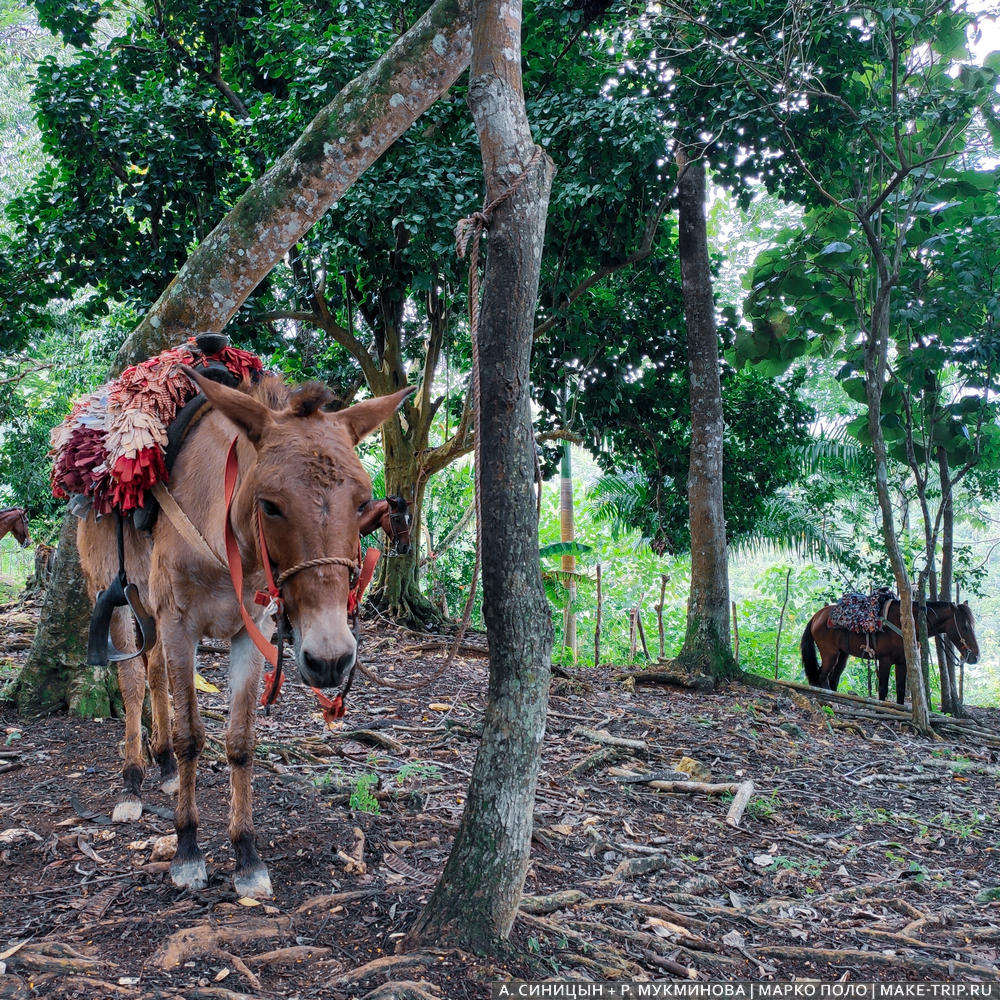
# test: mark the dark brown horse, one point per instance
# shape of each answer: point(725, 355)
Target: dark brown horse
point(300, 496)
point(14, 521)
point(837, 644)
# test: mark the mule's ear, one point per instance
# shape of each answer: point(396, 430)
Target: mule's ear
point(362, 418)
point(251, 416)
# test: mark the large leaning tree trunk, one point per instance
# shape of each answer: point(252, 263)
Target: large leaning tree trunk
point(341, 142)
point(476, 900)
point(707, 650)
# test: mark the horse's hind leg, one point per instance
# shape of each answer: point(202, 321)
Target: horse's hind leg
point(884, 669)
point(132, 683)
point(900, 682)
point(187, 870)
point(251, 877)
point(838, 670)
point(162, 744)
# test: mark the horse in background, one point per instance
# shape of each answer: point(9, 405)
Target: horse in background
point(885, 647)
point(14, 521)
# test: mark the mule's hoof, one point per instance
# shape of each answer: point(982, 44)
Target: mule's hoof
point(189, 874)
point(127, 811)
point(255, 883)
point(170, 785)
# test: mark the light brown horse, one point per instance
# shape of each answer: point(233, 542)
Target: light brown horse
point(14, 521)
point(837, 644)
point(299, 475)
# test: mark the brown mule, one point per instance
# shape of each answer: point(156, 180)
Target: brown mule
point(299, 475)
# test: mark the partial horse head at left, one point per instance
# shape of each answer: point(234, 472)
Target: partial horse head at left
point(298, 493)
point(14, 521)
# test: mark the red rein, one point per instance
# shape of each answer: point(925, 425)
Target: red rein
point(332, 708)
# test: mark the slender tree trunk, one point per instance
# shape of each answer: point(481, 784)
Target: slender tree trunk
point(567, 533)
point(876, 353)
point(706, 648)
point(950, 699)
point(337, 147)
point(476, 900)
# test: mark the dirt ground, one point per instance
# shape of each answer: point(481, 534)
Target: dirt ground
point(865, 853)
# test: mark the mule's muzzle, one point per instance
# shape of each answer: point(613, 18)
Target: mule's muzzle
point(322, 672)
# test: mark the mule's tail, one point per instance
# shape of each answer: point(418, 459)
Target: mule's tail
point(809, 661)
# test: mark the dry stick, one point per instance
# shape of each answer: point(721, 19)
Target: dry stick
point(740, 801)
point(781, 622)
point(632, 634)
point(597, 626)
point(664, 579)
point(736, 636)
point(642, 634)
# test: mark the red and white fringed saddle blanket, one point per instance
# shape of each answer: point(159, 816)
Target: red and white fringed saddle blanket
point(110, 448)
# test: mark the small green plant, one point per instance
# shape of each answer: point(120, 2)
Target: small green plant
point(362, 798)
point(418, 771)
point(764, 808)
point(827, 708)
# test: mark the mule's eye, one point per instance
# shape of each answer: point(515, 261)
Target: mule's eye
point(363, 507)
point(270, 509)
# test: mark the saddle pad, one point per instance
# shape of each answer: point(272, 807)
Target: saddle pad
point(110, 449)
point(857, 613)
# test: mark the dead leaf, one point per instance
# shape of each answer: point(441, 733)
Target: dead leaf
point(734, 939)
point(439, 706)
point(563, 829)
point(764, 860)
point(247, 901)
point(220, 975)
point(84, 847)
point(17, 835)
point(202, 685)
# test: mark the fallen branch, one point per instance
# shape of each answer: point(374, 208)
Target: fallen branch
point(605, 738)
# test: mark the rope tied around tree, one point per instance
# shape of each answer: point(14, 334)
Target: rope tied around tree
point(468, 234)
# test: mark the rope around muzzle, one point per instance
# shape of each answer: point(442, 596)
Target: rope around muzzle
point(351, 564)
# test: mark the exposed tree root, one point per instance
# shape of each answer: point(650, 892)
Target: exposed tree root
point(946, 970)
point(51, 956)
point(389, 964)
point(673, 674)
point(404, 990)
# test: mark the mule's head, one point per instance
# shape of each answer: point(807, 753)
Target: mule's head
point(309, 490)
point(962, 632)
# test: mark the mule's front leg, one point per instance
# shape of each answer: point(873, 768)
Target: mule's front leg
point(187, 870)
point(162, 746)
point(251, 877)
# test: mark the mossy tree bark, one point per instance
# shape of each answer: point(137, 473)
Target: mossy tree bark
point(342, 141)
point(55, 675)
point(706, 649)
point(476, 900)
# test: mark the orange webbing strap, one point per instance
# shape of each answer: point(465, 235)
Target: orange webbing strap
point(236, 563)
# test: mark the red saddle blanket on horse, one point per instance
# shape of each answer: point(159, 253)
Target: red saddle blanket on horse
point(860, 612)
point(110, 447)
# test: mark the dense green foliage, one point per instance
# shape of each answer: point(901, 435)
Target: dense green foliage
point(157, 116)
